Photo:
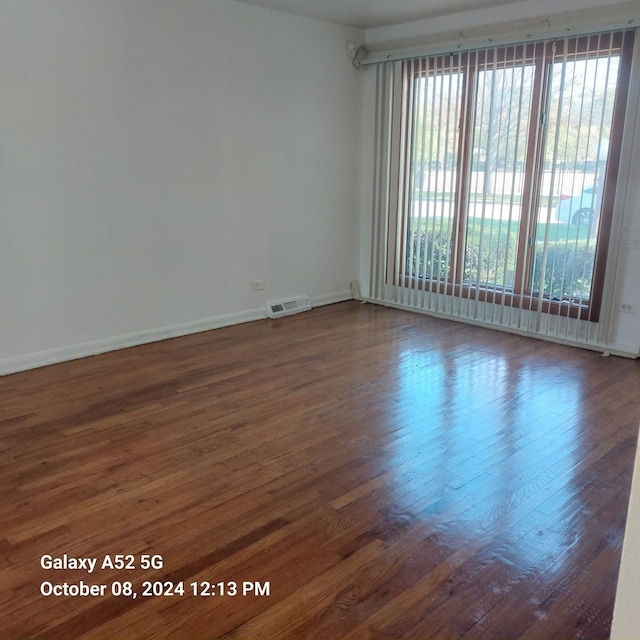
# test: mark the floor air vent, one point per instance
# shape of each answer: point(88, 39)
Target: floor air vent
point(287, 307)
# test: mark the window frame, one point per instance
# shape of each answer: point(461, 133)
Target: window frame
point(541, 54)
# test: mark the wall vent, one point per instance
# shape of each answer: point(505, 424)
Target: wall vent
point(287, 307)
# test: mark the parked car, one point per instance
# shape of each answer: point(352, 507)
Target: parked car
point(579, 209)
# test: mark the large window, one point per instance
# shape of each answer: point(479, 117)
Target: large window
point(510, 157)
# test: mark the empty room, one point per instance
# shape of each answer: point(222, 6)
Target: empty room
point(319, 319)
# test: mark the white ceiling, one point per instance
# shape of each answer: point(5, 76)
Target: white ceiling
point(368, 14)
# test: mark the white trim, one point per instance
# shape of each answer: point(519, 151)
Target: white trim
point(626, 617)
point(330, 298)
point(623, 350)
point(624, 199)
point(85, 349)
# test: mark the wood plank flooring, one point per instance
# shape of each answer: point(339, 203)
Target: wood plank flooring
point(350, 472)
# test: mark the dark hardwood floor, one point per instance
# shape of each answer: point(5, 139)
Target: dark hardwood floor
point(360, 472)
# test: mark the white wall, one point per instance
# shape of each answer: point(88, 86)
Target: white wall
point(624, 332)
point(156, 157)
point(626, 614)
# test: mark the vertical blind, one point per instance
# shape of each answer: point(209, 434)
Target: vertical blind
point(495, 176)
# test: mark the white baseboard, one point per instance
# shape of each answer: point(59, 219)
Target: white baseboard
point(82, 350)
point(626, 350)
point(331, 298)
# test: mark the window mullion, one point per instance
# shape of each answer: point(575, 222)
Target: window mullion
point(461, 205)
point(531, 187)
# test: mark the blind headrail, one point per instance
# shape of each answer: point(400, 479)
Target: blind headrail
point(623, 15)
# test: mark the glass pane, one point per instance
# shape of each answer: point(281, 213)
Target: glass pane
point(575, 152)
point(434, 148)
point(500, 134)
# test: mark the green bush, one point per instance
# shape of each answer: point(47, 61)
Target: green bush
point(568, 269)
point(484, 262)
point(429, 254)
point(488, 261)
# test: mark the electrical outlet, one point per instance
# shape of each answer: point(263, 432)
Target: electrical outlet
point(257, 285)
point(628, 307)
